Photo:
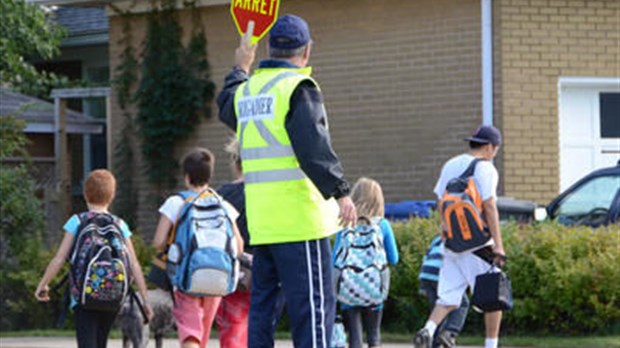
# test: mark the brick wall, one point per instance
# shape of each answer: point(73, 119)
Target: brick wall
point(538, 41)
point(401, 81)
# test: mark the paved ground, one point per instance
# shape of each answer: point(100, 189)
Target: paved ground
point(65, 342)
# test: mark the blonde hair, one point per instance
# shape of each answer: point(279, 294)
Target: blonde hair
point(367, 196)
point(234, 151)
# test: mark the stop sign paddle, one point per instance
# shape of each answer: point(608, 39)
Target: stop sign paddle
point(262, 12)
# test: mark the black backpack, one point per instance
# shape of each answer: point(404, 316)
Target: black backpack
point(100, 265)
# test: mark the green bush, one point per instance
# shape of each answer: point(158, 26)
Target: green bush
point(565, 279)
point(22, 258)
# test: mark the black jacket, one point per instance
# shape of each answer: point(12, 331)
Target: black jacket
point(306, 125)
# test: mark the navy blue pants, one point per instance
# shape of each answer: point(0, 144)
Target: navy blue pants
point(302, 271)
point(455, 321)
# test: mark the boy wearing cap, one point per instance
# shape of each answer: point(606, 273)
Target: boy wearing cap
point(459, 270)
point(294, 184)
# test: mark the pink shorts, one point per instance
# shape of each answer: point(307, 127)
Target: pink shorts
point(194, 316)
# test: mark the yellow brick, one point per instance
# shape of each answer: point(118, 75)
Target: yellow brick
point(530, 25)
point(530, 9)
point(520, 17)
point(579, 4)
point(557, 3)
point(539, 3)
point(533, 180)
point(595, 19)
point(540, 64)
point(606, 12)
point(549, 26)
point(597, 4)
point(561, 19)
point(549, 10)
point(568, 11)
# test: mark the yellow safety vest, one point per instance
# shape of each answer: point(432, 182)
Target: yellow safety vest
point(282, 203)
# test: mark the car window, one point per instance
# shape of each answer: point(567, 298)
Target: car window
point(589, 203)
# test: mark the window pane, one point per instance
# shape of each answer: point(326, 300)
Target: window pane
point(610, 115)
point(595, 196)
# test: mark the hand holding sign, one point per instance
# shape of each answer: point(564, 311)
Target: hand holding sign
point(262, 13)
point(245, 53)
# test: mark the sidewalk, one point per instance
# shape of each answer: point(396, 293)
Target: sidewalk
point(66, 342)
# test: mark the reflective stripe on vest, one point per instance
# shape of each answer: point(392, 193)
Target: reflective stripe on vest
point(274, 148)
point(282, 204)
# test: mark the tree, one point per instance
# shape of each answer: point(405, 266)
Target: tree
point(26, 31)
point(21, 225)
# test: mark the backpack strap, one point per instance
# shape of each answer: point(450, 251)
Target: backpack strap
point(134, 298)
point(364, 219)
point(470, 169)
point(188, 199)
point(66, 300)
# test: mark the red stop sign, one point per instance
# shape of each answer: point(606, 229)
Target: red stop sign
point(263, 12)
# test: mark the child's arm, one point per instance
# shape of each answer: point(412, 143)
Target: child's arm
point(238, 237)
point(389, 242)
point(42, 292)
point(136, 270)
point(161, 233)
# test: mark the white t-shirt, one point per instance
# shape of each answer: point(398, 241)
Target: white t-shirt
point(485, 176)
point(172, 207)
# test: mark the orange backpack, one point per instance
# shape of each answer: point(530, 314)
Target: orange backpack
point(463, 228)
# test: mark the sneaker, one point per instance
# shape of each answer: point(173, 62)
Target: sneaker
point(447, 339)
point(422, 339)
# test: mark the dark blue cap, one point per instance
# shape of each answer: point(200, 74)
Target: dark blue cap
point(486, 135)
point(289, 32)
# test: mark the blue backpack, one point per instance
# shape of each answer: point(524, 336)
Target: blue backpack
point(361, 271)
point(202, 259)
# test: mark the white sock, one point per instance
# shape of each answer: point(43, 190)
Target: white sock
point(431, 327)
point(490, 343)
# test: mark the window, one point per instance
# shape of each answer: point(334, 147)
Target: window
point(610, 115)
point(589, 203)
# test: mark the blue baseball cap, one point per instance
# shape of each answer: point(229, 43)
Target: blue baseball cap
point(289, 32)
point(486, 135)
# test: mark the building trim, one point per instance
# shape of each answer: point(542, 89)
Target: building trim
point(80, 92)
point(486, 8)
point(86, 40)
point(48, 128)
point(587, 81)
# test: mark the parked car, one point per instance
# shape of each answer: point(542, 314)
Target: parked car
point(592, 201)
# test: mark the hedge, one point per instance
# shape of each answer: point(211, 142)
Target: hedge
point(566, 280)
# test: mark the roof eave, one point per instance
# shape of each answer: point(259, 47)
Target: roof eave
point(48, 128)
point(124, 5)
point(86, 40)
point(71, 2)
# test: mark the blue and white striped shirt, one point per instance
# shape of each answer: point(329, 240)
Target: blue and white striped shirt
point(432, 261)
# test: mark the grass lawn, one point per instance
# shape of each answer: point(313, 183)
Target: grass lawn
point(511, 341)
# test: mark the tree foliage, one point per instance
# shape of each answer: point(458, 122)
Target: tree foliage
point(22, 223)
point(124, 82)
point(26, 31)
point(174, 91)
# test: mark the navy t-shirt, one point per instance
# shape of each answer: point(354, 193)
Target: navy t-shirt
point(235, 195)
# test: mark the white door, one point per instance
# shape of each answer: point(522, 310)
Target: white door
point(589, 126)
